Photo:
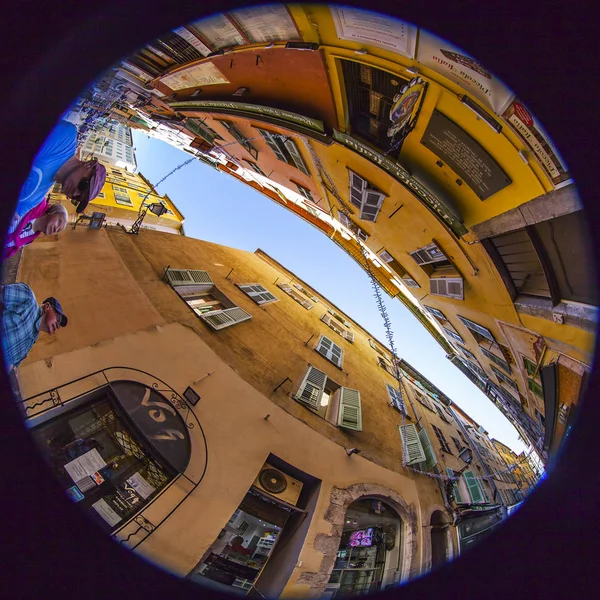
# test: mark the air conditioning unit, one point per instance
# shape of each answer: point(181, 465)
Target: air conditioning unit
point(275, 483)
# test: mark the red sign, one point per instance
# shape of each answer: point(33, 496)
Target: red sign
point(523, 114)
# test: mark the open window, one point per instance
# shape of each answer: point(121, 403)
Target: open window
point(285, 149)
point(396, 399)
point(445, 280)
point(332, 324)
point(417, 447)
point(393, 264)
point(296, 296)
point(488, 345)
point(236, 133)
point(353, 227)
point(444, 446)
point(200, 293)
point(306, 293)
point(257, 293)
point(365, 197)
point(335, 403)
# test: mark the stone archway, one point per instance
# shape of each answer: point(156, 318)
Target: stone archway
point(439, 533)
point(328, 544)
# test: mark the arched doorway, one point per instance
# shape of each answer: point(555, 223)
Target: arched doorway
point(369, 556)
point(439, 538)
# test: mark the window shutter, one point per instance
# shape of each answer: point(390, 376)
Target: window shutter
point(296, 156)
point(449, 287)
point(411, 444)
point(272, 142)
point(350, 414)
point(326, 319)
point(474, 488)
point(430, 456)
point(330, 351)
point(410, 282)
point(357, 187)
point(312, 387)
point(486, 333)
point(455, 489)
point(420, 257)
point(188, 277)
point(396, 398)
point(372, 202)
point(219, 319)
point(386, 256)
point(258, 293)
point(349, 335)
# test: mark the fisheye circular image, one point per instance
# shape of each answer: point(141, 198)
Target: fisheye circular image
point(298, 301)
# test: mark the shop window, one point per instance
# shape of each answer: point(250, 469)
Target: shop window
point(257, 293)
point(393, 264)
point(297, 297)
point(104, 463)
point(348, 224)
point(365, 197)
point(285, 149)
point(328, 320)
point(396, 399)
point(339, 405)
point(330, 351)
point(200, 293)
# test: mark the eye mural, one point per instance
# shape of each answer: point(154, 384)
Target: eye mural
point(352, 301)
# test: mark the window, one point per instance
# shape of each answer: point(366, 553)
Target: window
point(307, 294)
point(393, 264)
point(475, 490)
point(201, 129)
point(297, 297)
point(455, 489)
point(347, 335)
point(348, 224)
point(255, 168)
point(530, 366)
point(417, 448)
point(200, 293)
point(376, 347)
point(443, 414)
point(239, 136)
point(337, 404)
point(450, 287)
point(100, 195)
point(304, 192)
point(384, 363)
point(478, 330)
point(365, 197)
point(339, 317)
point(285, 149)
point(496, 359)
point(121, 196)
point(536, 388)
point(429, 255)
point(258, 293)
point(453, 335)
point(440, 436)
point(504, 379)
point(423, 399)
point(436, 313)
point(457, 443)
point(142, 194)
point(396, 398)
point(330, 351)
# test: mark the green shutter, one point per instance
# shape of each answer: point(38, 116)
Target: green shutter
point(430, 456)
point(455, 489)
point(350, 415)
point(411, 444)
point(474, 488)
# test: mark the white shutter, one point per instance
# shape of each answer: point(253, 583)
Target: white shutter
point(219, 319)
point(350, 414)
point(188, 277)
point(386, 256)
point(312, 387)
point(349, 335)
point(449, 287)
point(326, 319)
point(486, 333)
point(296, 156)
point(257, 292)
point(428, 254)
point(396, 398)
point(411, 444)
point(430, 456)
point(372, 202)
point(330, 351)
point(357, 187)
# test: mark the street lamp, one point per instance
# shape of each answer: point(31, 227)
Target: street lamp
point(156, 208)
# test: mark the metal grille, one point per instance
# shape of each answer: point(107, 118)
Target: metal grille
point(177, 48)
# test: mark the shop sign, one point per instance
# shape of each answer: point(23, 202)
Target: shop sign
point(250, 109)
point(452, 62)
point(406, 104)
point(401, 175)
point(158, 420)
point(531, 132)
point(374, 29)
point(195, 76)
point(465, 156)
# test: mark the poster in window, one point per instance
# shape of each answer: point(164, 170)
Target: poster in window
point(140, 485)
point(85, 465)
point(106, 512)
point(459, 67)
point(531, 132)
point(373, 29)
point(271, 23)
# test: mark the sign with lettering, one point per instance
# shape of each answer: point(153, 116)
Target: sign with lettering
point(465, 156)
point(462, 69)
point(243, 107)
point(158, 420)
point(197, 75)
point(436, 206)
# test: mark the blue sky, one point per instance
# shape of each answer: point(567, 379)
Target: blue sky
point(218, 208)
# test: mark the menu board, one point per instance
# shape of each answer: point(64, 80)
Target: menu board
point(466, 157)
point(269, 23)
point(374, 29)
point(219, 32)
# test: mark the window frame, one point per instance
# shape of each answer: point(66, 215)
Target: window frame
point(330, 352)
point(253, 295)
point(363, 188)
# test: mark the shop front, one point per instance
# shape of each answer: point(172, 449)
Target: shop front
point(476, 525)
point(368, 558)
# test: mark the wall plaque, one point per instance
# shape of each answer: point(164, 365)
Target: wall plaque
point(465, 156)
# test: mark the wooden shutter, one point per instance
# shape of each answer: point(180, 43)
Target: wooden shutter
point(486, 333)
point(411, 444)
point(188, 277)
point(430, 456)
point(330, 351)
point(350, 414)
point(396, 398)
point(219, 319)
point(357, 187)
point(409, 282)
point(258, 293)
point(349, 335)
point(326, 319)
point(273, 143)
point(455, 489)
point(446, 286)
point(312, 387)
point(473, 486)
point(371, 205)
point(296, 156)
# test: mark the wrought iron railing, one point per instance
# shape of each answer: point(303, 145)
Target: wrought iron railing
point(138, 528)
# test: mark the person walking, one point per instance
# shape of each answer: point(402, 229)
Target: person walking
point(22, 320)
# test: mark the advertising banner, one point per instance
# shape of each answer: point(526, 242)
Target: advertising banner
point(453, 63)
point(531, 132)
point(373, 29)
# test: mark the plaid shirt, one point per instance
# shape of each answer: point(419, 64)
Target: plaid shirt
point(21, 319)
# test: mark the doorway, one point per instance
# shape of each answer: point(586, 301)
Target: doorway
point(439, 538)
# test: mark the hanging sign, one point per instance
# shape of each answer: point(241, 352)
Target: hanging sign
point(531, 132)
point(468, 73)
point(406, 104)
point(374, 29)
